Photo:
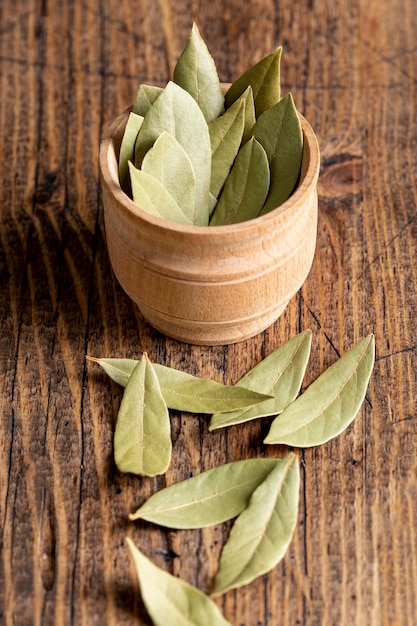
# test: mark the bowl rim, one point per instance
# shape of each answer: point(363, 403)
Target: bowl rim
point(110, 180)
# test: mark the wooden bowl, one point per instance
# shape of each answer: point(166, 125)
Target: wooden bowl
point(210, 285)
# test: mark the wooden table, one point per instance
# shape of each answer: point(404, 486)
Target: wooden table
point(66, 70)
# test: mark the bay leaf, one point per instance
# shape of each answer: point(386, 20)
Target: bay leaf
point(196, 72)
point(127, 149)
point(170, 600)
point(212, 497)
point(246, 187)
point(142, 437)
point(250, 116)
point(330, 403)
point(226, 134)
point(168, 162)
point(280, 375)
point(183, 391)
point(212, 204)
point(151, 196)
point(260, 536)
point(145, 98)
point(177, 113)
point(279, 131)
point(264, 79)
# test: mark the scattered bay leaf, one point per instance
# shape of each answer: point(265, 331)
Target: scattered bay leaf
point(127, 149)
point(145, 98)
point(170, 600)
point(280, 374)
point(183, 391)
point(245, 188)
point(279, 131)
point(264, 78)
point(142, 437)
point(260, 536)
point(177, 113)
point(196, 72)
point(211, 497)
point(151, 196)
point(330, 403)
point(169, 163)
point(226, 134)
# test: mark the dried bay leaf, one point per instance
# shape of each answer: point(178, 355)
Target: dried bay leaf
point(177, 113)
point(212, 497)
point(330, 403)
point(142, 437)
point(196, 72)
point(260, 536)
point(145, 98)
point(151, 196)
point(127, 149)
point(169, 163)
point(170, 600)
point(264, 79)
point(226, 134)
point(279, 131)
point(280, 374)
point(246, 187)
point(183, 391)
point(250, 116)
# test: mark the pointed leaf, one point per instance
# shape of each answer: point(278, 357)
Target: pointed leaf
point(280, 374)
point(170, 600)
point(330, 403)
point(151, 196)
point(260, 536)
point(196, 72)
point(145, 98)
point(226, 134)
point(142, 438)
point(279, 132)
point(264, 78)
point(250, 117)
point(211, 497)
point(246, 187)
point(127, 149)
point(177, 113)
point(185, 392)
point(168, 162)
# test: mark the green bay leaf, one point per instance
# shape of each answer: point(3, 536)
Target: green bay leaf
point(183, 391)
point(142, 437)
point(226, 134)
point(196, 72)
point(280, 375)
point(250, 116)
point(170, 600)
point(168, 162)
point(211, 497)
point(330, 403)
point(246, 187)
point(127, 149)
point(279, 131)
point(151, 196)
point(145, 98)
point(264, 79)
point(260, 536)
point(176, 112)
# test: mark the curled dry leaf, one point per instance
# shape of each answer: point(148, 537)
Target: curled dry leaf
point(142, 437)
point(330, 403)
point(170, 600)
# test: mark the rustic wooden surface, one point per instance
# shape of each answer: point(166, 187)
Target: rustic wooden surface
point(66, 69)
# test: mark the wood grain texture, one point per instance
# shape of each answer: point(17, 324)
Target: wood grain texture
point(66, 70)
